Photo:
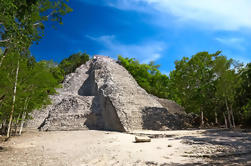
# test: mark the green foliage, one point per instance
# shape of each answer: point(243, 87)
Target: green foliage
point(35, 83)
point(191, 83)
point(7, 74)
point(21, 22)
point(247, 112)
point(244, 97)
point(147, 75)
point(210, 83)
point(54, 68)
point(69, 65)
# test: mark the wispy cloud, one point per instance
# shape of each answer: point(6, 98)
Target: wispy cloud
point(211, 14)
point(234, 42)
point(145, 52)
point(223, 14)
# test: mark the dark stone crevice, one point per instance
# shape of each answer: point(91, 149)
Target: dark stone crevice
point(89, 87)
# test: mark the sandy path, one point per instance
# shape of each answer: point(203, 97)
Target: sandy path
point(90, 147)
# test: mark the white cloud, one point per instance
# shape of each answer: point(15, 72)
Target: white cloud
point(213, 14)
point(144, 52)
point(233, 42)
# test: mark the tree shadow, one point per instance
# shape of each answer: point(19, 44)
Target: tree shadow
point(237, 146)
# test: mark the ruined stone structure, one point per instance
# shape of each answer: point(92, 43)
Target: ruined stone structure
point(101, 94)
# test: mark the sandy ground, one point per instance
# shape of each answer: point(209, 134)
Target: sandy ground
point(94, 148)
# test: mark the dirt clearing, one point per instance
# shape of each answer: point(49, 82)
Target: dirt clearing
point(91, 147)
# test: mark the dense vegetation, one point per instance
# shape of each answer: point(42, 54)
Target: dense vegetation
point(31, 81)
point(24, 83)
point(216, 88)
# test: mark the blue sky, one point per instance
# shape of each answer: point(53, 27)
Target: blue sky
point(159, 30)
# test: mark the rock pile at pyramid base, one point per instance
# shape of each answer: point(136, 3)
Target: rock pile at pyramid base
point(101, 94)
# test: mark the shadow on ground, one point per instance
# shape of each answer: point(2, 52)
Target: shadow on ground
point(232, 147)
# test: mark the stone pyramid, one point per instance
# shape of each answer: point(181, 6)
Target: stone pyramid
point(101, 94)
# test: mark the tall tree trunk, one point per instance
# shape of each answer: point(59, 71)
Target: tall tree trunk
point(228, 114)
point(3, 56)
point(23, 115)
point(16, 124)
point(216, 117)
point(232, 115)
point(202, 118)
point(225, 119)
point(13, 102)
point(22, 122)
